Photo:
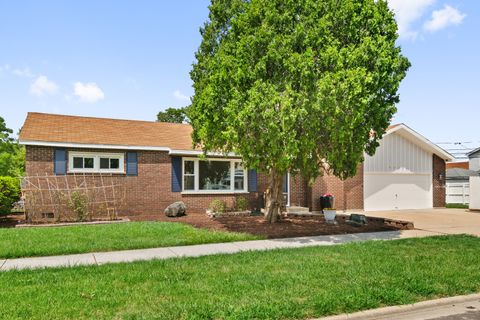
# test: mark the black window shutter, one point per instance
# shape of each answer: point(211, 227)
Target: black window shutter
point(176, 174)
point(252, 180)
point(285, 183)
point(132, 164)
point(60, 162)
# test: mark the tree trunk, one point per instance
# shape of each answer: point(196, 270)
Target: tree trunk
point(274, 196)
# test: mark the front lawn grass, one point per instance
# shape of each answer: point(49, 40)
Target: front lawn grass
point(281, 284)
point(47, 241)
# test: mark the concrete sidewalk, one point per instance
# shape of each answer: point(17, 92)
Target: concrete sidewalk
point(454, 308)
point(99, 258)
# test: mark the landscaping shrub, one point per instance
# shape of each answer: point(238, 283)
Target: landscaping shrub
point(456, 206)
point(78, 203)
point(241, 203)
point(9, 193)
point(218, 206)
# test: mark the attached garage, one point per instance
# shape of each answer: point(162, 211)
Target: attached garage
point(397, 191)
point(401, 174)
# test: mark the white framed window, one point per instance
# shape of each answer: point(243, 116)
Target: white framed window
point(213, 176)
point(96, 162)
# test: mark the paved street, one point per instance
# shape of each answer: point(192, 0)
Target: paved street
point(453, 308)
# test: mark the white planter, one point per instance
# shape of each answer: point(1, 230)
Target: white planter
point(329, 215)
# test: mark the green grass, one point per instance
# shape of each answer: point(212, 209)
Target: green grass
point(46, 241)
point(456, 206)
point(281, 284)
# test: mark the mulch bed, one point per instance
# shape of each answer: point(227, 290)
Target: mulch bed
point(11, 220)
point(292, 226)
point(287, 227)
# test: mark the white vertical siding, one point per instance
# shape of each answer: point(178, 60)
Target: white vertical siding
point(398, 155)
point(474, 193)
point(474, 164)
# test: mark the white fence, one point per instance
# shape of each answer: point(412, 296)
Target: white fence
point(458, 192)
point(475, 185)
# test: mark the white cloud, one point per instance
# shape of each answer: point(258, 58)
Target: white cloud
point(25, 72)
point(442, 18)
point(407, 12)
point(42, 86)
point(88, 92)
point(180, 96)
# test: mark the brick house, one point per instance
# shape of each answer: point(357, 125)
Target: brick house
point(158, 166)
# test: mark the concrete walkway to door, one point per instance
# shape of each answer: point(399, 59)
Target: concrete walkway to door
point(441, 220)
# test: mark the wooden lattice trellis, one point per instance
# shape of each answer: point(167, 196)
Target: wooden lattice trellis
point(50, 197)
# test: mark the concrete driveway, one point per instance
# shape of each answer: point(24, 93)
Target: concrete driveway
point(442, 221)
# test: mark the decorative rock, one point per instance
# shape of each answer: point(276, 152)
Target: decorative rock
point(176, 209)
point(359, 218)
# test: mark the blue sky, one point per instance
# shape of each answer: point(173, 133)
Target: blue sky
point(130, 59)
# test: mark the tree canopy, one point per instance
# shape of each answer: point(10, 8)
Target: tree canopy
point(12, 155)
point(304, 86)
point(173, 115)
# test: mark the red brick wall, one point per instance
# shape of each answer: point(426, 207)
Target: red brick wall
point(438, 181)
point(327, 184)
point(38, 161)
point(353, 189)
point(348, 194)
point(150, 191)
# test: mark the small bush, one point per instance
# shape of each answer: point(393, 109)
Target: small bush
point(456, 206)
point(78, 203)
point(9, 193)
point(218, 206)
point(241, 203)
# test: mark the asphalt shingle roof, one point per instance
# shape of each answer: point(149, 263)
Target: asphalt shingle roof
point(459, 173)
point(43, 127)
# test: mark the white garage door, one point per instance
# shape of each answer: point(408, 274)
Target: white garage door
point(397, 191)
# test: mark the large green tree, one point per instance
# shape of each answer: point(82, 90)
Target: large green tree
point(305, 86)
point(173, 115)
point(12, 155)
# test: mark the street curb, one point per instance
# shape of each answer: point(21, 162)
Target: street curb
point(403, 308)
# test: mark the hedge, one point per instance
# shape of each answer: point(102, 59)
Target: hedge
point(9, 193)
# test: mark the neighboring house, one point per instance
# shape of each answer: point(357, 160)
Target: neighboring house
point(158, 165)
point(458, 185)
point(474, 160)
point(458, 178)
point(459, 164)
point(458, 175)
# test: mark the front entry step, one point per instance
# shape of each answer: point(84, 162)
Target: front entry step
point(293, 210)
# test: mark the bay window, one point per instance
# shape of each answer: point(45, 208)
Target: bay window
point(213, 176)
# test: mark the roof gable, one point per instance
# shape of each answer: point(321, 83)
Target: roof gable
point(419, 140)
point(474, 153)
